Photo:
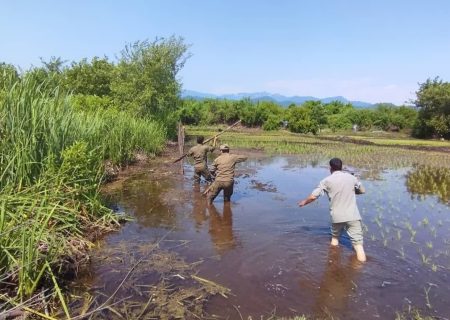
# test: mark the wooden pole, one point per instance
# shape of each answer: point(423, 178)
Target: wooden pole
point(181, 144)
point(209, 139)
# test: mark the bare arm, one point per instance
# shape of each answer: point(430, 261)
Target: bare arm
point(321, 188)
point(304, 202)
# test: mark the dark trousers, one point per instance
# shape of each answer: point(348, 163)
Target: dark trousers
point(217, 186)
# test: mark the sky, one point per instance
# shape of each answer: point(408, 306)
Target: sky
point(372, 51)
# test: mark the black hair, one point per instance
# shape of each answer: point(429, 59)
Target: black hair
point(200, 139)
point(336, 164)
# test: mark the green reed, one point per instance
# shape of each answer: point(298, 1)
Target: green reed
point(51, 167)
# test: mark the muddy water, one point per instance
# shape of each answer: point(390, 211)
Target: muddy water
point(274, 256)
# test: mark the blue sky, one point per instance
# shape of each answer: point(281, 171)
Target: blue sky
point(374, 51)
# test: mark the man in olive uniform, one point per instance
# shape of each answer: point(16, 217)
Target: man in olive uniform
point(199, 152)
point(223, 168)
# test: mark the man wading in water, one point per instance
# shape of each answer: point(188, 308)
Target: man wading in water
point(223, 168)
point(341, 188)
point(199, 152)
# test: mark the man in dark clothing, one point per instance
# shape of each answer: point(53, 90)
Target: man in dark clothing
point(199, 152)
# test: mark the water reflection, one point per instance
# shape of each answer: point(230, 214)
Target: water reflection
point(199, 212)
point(221, 228)
point(145, 199)
point(429, 180)
point(337, 284)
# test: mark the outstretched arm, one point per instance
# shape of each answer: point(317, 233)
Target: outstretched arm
point(317, 192)
point(240, 158)
point(304, 202)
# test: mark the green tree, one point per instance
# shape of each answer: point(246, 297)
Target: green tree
point(145, 80)
point(192, 111)
point(339, 122)
point(433, 102)
point(317, 113)
point(363, 118)
point(50, 74)
point(90, 78)
point(300, 120)
point(273, 122)
point(336, 107)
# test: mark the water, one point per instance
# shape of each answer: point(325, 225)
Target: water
point(274, 256)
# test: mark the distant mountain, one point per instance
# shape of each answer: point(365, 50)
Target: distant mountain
point(278, 98)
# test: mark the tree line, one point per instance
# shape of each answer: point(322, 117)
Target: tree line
point(427, 117)
point(309, 117)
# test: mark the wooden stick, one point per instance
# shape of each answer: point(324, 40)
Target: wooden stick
point(208, 140)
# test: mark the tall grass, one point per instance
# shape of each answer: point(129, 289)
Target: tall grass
point(38, 124)
point(51, 165)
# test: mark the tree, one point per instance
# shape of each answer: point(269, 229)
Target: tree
point(317, 113)
point(300, 120)
point(146, 81)
point(90, 78)
point(50, 73)
point(339, 122)
point(433, 102)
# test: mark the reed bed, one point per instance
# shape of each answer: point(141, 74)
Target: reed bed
point(51, 166)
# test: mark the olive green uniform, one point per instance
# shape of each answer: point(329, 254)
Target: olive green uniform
point(223, 166)
point(199, 153)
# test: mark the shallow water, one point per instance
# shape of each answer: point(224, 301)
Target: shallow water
point(274, 256)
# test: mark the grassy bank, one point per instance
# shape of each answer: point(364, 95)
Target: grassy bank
point(51, 166)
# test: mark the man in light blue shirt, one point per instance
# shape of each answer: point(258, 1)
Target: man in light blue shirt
point(341, 188)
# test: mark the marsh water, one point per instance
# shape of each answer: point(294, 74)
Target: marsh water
point(274, 256)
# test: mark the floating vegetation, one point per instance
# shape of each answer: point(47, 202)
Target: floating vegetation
point(159, 285)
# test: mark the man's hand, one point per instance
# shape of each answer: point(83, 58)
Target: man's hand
point(302, 203)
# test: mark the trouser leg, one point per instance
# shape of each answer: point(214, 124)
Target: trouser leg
point(213, 191)
point(197, 175)
point(228, 191)
point(206, 174)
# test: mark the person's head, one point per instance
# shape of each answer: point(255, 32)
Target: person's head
point(200, 139)
point(335, 164)
point(224, 148)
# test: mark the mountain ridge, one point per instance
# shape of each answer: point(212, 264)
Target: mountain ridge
point(278, 98)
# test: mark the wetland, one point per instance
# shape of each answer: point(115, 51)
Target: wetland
point(260, 255)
